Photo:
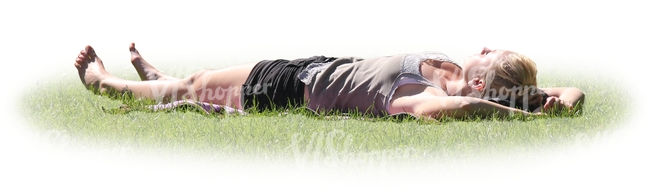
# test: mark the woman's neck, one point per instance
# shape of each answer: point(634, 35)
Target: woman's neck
point(458, 88)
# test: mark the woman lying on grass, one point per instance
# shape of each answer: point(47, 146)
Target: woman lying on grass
point(425, 85)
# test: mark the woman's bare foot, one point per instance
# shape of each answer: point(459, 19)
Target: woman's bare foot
point(145, 70)
point(91, 69)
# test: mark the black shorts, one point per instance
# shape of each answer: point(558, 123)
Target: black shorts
point(274, 84)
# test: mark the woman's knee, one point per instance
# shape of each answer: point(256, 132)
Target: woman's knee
point(197, 76)
point(204, 87)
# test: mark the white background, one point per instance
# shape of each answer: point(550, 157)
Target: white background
point(40, 39)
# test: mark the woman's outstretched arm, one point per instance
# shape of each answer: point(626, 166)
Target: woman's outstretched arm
point(436, 107)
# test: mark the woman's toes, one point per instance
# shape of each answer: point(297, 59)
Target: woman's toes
point(90, 50)
point(132, 47)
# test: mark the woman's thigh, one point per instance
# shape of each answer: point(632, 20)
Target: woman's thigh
point(222, 86)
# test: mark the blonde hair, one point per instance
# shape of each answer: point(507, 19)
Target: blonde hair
point(511, 71)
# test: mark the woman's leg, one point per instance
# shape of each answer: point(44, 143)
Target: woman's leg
point(145, 70)
point(213, 86)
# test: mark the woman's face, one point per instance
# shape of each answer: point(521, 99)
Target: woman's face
point(475, 64)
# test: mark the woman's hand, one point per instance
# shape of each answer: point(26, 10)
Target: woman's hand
point(555, 104)
point(563, 98)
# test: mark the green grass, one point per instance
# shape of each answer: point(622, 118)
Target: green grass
point(63, 108)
